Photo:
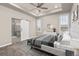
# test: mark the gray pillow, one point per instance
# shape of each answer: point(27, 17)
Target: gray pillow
point(60, 37)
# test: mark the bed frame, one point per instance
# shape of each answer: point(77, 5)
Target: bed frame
point(51, 50)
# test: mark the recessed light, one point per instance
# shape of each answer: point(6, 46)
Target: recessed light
point(55, 6)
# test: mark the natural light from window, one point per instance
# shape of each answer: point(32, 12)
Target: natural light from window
point(64, 19)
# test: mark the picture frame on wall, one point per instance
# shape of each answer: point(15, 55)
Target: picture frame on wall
point(78, 11)
point(75, 13)
point(78, 14)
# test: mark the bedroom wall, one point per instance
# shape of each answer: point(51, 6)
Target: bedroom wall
point(53, 20)
point(5, 24)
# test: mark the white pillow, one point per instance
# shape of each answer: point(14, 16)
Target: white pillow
point(66, 36)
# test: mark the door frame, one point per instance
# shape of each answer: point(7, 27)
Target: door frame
point(20, 32)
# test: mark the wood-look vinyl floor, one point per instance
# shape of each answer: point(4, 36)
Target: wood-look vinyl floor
point(21, 49)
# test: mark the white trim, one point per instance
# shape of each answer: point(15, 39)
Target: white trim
point(5, 45)
point(16, 6)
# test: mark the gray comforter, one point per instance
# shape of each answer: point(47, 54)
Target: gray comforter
point(47, 39)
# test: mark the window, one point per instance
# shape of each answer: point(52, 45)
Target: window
point(64, 22)
point(39, 25)
point(64, 19)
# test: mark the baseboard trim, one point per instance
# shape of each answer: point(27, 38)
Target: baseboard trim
point(5, 45)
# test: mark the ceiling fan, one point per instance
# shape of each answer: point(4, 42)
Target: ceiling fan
point(39, 5)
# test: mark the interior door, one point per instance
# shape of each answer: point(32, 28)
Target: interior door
point(24, 30)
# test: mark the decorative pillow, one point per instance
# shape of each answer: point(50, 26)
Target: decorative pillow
point(60, 37)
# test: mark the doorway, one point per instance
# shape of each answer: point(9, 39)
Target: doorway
point(16, 33)
point(20, 30)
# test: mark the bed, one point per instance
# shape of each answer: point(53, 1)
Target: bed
point(53, 43)
point(45, 39)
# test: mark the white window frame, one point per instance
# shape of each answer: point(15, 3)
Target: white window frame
point(63, 24)
point(64, 19)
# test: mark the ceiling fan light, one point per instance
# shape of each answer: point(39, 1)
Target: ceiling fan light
point(55, 6)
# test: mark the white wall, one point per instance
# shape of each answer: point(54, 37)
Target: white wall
point(51, 19)
point(5, 23)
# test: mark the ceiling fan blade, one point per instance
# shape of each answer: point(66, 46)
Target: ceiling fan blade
point(43, 8)
point(40, 4)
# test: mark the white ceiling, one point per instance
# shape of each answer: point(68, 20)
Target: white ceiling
point(33, 11)
point(52, 7)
